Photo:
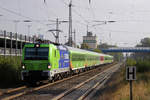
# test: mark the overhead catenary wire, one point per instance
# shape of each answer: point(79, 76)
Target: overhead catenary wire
point(21, 15)
point(75, 11)
point(47, 9)
point(85, 20)
point(15, 13)
point(124, 31)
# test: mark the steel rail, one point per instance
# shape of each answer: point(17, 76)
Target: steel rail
point(106, 73)
point(50, 84)
point(13, 90)
point(100, 84)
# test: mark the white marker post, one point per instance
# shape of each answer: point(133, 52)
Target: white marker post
point(131, 75)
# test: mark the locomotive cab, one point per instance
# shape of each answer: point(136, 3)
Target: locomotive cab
point(44, 61)
point(36, 62)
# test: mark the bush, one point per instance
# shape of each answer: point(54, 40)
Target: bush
point(143, 66)
point(131, 62)
point(10, 70)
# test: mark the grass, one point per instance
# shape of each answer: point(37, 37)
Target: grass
point(141, 87)
point(10, 68)
point(118, 88)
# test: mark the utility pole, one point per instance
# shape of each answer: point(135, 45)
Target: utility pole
point(74, 38)
point(70, 24)
point(87, 28)
point(57, 31)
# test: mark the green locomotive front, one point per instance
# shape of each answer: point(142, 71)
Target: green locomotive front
point(40, 61)
point(35, 62)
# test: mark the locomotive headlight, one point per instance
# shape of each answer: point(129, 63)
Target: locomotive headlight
point(23, 67)
point(37, 45)
point(49, 66)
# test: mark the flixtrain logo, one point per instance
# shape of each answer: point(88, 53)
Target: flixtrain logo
point(64, 57)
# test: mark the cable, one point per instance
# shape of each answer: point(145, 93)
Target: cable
point(124, 31)
point(15, 13)
point(80, 16)
point(75, 11)
point(48, 10)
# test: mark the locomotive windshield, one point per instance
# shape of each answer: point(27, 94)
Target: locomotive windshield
point(36, 53)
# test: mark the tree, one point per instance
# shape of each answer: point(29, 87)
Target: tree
point(78, 46)
point(117, 56)
point(105, 46)
point(97, 50)
point(84, 46)
point(144, 43)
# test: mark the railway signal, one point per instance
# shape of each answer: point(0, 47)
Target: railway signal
point(130, 76)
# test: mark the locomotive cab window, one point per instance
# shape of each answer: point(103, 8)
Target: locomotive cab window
point(36, 53)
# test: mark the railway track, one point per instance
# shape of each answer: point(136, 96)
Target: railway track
point(17, 92)
point(80, 91)
point(12, 90)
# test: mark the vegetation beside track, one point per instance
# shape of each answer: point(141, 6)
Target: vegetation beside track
point(118, 88)
point(9, 70)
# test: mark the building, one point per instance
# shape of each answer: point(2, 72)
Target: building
point(90, 40)
point(12, 43)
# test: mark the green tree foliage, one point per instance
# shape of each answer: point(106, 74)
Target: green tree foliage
point(145, 42)
point(142, 56)
point(142, 66)
point(142, 59)
point(131, 62)
point(97, 50)
point(78, 46)
point(10, 68)
point(105, 46)
point(117, 56)
point(84, 46)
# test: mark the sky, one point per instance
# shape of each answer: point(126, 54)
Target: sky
point(132, 19)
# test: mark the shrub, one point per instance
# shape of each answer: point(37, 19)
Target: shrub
point(131, 62)
point(9, 69)
point(143, 66)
